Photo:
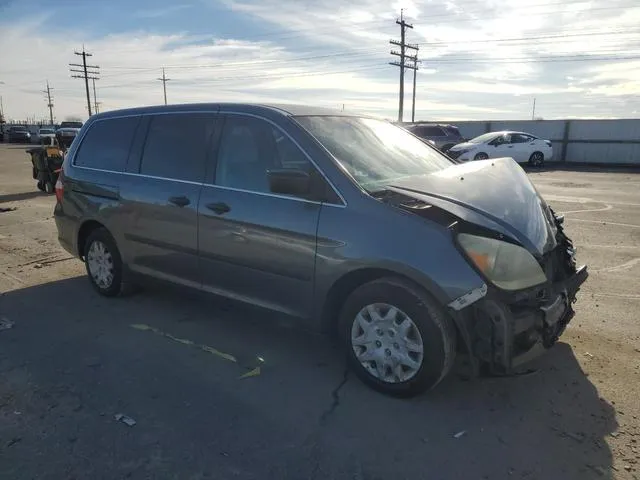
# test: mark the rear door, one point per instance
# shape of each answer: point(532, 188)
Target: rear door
point(161, 195)
point(257, 246)
point(520, 147)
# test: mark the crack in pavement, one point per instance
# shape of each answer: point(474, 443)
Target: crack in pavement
point(336, 397)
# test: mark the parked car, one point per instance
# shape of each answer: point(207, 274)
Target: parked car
point(71, 124)
point(522, 147)
point(43, 133)
point(66, 135)
point(19, 134)
point(444, 136)
point(349, 223)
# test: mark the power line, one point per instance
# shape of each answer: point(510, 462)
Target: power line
point(403, 56)
point(49, 101)
point(164, 81)
point(88, 72)
point(361, 52)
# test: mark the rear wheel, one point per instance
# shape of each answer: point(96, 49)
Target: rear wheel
point(536, 159)
point(398, 340)
point(481, 156)
point(49, 187)
point(103, 262)
point(40, 186)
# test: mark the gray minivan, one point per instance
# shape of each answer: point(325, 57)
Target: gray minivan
point(349, 223)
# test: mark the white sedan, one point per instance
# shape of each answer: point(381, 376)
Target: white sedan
point(522, 147)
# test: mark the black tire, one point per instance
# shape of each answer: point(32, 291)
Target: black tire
point(40, 186)
point(49, 187)
point(435, 327)
point(104, 237)
point(536, 159)
point(481, 156)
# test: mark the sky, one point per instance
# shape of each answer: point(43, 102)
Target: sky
point(479, 59)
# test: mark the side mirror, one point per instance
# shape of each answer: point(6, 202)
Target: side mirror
point(289, 181)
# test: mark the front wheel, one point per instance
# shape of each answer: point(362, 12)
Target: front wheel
point(481, 156)
point(536, 159)
point(103, 263)
point(398, 340)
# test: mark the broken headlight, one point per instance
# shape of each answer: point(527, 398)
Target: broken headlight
point(508, 266)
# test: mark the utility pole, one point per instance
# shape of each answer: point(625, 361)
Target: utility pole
point(413, 103)
point(403, 56)
point(88, 72)
point(533, 111)
point(49, 102)
point(164, 81)
point(95, 98)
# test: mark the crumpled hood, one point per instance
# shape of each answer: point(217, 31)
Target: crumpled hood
point(496, 194)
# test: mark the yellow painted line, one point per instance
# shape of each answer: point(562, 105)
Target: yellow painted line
point(253, 373)
point(205, 348)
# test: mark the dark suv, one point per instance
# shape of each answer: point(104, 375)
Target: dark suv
point(19, 134)
point(444, 136)
point(349, 223)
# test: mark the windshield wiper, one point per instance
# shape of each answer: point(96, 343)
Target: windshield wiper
point(381, 193)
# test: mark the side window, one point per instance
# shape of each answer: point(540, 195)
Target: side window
point(176, 146)
point(106, 144)
point(517, 138)
point(248, 148)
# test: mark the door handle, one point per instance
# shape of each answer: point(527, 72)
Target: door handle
point(180, 201)
point(218, 207)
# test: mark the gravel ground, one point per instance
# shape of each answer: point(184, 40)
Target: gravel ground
point(286, 408)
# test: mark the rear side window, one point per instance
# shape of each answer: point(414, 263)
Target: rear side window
point(177, 145)
point(453, 131)
point(106, 145)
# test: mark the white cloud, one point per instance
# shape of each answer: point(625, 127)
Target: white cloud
point(329, 52)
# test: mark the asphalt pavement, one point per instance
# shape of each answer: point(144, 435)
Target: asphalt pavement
point(220, 390)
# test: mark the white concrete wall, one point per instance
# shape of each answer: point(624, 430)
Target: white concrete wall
point(589, 141)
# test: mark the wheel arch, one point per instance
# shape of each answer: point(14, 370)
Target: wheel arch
point(84, 231)
point(341, 288)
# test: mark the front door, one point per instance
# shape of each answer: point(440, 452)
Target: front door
point(161, 195)
point(257, 246)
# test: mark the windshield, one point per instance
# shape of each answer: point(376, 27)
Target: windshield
point(374, 152)
point(487, 137)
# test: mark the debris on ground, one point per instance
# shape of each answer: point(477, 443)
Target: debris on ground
point(38, 265)
point(128, 421)
point(460, 434)
point(7, 209)
point(587, 354)
point(5, 323)
point(253, 373)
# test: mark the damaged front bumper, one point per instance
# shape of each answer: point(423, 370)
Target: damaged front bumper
point(504, 331)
